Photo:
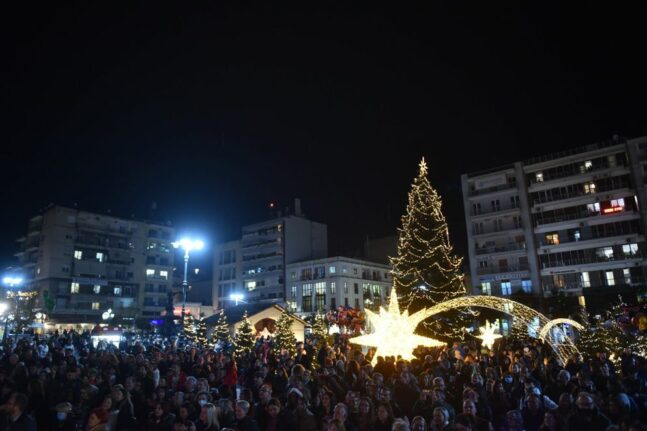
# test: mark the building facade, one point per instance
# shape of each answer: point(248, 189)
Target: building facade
point(255, 266)
point(323, 284)
point(85, 263)
point(570, 223)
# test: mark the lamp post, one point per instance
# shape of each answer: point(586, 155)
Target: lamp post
point(237, 297)
point(187, 245)
point(108, 314)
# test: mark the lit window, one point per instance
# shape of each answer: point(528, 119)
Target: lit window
point(344, 269)
point(586, 280)
point(320, 288)
point(508, 307)
point(292, 305)
point(526, 285)
point(332, 270)
point(345, 287)
point(100, 257)
point(589, 188)
point(605, 252)
point(293, 275)
point(95, 305)
point(307, 289)
point(610, 280)
point(355, 271)
point(588, 165)
point(96, 289)
point(78, 254)
point(630, 249)
point(251, 285)
point(539, 177)
point(74, 288)
point(552, 238)
point(613, 206)
point(294, 291)
point(117, 291)
point(593, 208)
point(150, 272)
point(506, 288)
point(486, 288)
point(626, 273)
point(164, 275)
point(333, 288)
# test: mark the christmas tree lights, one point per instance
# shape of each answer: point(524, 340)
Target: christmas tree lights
point(425, 270)
point(244, 337)
point(393, 333)
point(283, 338)
point(221, 333)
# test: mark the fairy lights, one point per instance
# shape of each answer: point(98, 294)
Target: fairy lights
point(393, 333)
point(488, 335)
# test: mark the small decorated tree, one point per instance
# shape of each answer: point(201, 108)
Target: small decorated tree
point(319, 329)
point(244, 338)
point(188, 328)
point(201, 333)
point(284, 339)
point(221, 332)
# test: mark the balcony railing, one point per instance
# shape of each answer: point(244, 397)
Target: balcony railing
point(513, 246)
point(497, 229)
point(493, 189)
point(494, 210)
point(541, 220)
point(589, 260)
point(501, 270)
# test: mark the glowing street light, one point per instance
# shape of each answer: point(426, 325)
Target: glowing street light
point(108, 314)
point(187, 245)
point(12, 281)
point(237, 297)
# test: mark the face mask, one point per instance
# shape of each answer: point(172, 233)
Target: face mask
point(61, 416)
point(508, 380)
point(202, 402)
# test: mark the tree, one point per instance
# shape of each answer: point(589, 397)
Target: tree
point(188, 328)
point(221, 333)
point(319, 329)
point(201, 333)
point(425, 270)
point(284, 339)
point(244, 338)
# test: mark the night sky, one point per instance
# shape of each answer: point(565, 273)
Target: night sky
point(214, 110)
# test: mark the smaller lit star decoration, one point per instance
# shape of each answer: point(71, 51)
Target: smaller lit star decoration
point(393, 333)
point(487, 335)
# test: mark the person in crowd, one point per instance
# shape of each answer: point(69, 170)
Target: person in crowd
point(243, 421)
point(14, 416)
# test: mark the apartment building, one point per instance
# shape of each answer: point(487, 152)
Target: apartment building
point(255, 265)
point(570, 223)
point(323, 284)
point(88, 262)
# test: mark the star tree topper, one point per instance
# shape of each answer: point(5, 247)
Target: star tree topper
point(393, 333)
point(487, 335)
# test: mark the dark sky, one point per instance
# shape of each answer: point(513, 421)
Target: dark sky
point(214, 109)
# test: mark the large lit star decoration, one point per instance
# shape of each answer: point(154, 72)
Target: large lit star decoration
point(487, 335)
point(393, 334)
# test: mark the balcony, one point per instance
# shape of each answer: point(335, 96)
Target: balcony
point(589, 260)
point(573, 173)
point(502, 208)
point(584, 214)
point(513, 246)
point(501, 270)
point(477, 232)
point(493, 189)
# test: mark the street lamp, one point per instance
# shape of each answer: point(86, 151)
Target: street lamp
point(108, 314)
point(187, 245)
point(237, 297)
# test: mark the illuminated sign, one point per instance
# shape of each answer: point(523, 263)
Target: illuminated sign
point(612, 210)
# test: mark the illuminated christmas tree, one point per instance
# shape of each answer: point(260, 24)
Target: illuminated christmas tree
point(425, 270)
point(221, 334)
point(201, 333)
point(188, 328)
point(244, 339)
point(319, 329)
point(283, 337)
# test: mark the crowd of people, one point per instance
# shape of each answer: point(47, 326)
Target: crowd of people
point(61, 382)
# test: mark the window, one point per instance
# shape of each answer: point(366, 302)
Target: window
point(506, 288)
point(345, 287)
point(148, 302)
point(586, 280)
point(320, 288)
point(320, 297)
point(356, 288)
point(605, 252)
point(332, 270)
point(356, 302)
point(333, 288)
point(610, 280)
point(539, 177)
point(526, 285)
point(355, 271)
point(333, 303)
point(100, 257)
point(149, 287)
point(613, 206)
point(344, 269)
point(96, 289)
point(307, 290)
point(150, 272)
point(74, 288)
point(161, 288)
point(250, 285)
point(594, 208)
point(293, 291)
point(345, 302)
point(164, 275)
point(293, 275)
point(320, 272)
point(588, 165)
point(574, 235)
point(626, 273)
point(483, 264)
point(508, 307)
point(78, 254)
point(552, 238)
point(486, 288)
point(117, 291)
point(292, 305)
point(589, 188)
point(307, 304)
point(96, 305)
point(306, 274)
point(630, 249)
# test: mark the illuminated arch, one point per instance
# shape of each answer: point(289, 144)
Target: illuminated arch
point(524, 314)
point(550, 324)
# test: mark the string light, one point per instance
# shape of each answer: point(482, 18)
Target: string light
point(394, 331)
point(561, 321)
point(488, 335)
